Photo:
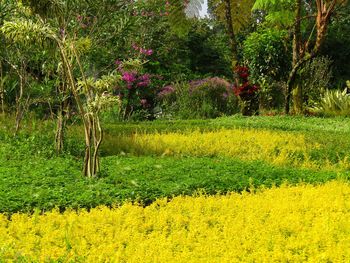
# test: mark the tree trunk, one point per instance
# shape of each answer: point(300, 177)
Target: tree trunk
point(231, 33)
point(19, 100)
point(2, 90)
point(325, 9)
point(296, 52)
point(291, 83)
point(59, 138)
point(298, 99)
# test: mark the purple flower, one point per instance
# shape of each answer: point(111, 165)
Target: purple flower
point(143, 84)
point(145, 77)
point(144, 80)
point(149, 52)
point(129, 77)
point(166, 91)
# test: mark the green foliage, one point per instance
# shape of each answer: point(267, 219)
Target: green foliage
point(33, 178)
point(278, 12)
point(207, 98)
point(336, 46)
point(209, 53)
point(266, 55)
point(271, 95)
point(46, 184)
point(27, 31)
point(334, 103)
point(315, 77)
point(240, 12)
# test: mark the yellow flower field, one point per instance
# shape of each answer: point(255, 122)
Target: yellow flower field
point(288, 224)
point(275, 147)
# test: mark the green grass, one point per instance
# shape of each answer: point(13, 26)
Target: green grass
point(40, 183)
point(286, 123)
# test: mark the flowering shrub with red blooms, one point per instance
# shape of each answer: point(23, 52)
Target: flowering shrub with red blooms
point(246, 90)
point(248, 93)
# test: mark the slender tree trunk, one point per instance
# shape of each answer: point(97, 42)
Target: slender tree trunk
point(2, 90)
point(296, 57)
point(19, 100)
point(60, 129)
point(231, 33)
point(98, 136)
point(86, 118)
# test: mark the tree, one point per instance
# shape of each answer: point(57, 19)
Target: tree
point(307, 41)
point(235, 14)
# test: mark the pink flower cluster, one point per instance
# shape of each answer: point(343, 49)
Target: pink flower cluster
point(165, 91)
point(144, 51)
point(132, 79)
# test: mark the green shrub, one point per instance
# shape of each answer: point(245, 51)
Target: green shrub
point(266, 56)
point(334, 103)
point(206, 98)
point(315, 77)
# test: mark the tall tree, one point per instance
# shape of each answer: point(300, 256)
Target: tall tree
point(235, 14)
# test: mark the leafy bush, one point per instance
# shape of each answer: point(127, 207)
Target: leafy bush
point(271, 95)
point(135, 89)
point(315, 77)
point(334, 103)
point(206, 98)
point(266, 56)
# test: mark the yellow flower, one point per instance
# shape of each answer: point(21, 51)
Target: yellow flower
point(289, 224)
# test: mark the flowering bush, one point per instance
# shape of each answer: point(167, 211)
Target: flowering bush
point(204, 98)
point(135, 88)
point(247, 92)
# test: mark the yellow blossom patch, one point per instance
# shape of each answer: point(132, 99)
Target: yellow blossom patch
point(276, 147)
point(288, 224)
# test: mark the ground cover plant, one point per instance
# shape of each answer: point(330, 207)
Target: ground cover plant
point(280, 224)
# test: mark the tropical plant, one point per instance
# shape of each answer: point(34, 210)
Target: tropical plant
point(247, 92)
point(334, 103)
point(266, 54)
point(316, 76)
